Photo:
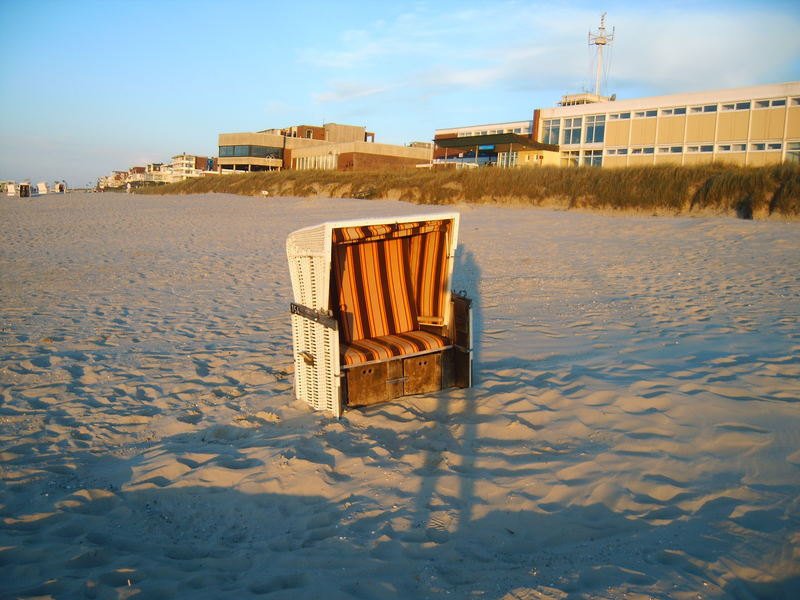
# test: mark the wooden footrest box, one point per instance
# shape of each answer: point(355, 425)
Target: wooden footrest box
point(379, 382)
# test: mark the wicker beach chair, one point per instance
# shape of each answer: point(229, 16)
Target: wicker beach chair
point(373, 318)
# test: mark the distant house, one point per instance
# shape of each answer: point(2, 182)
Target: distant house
point(331, 146)
point(184, 166)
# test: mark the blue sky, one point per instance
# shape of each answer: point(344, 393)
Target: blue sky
point(87, 87)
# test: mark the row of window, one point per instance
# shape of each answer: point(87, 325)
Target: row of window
point(253, 151)
point(594, 158)
point(595, 130)
point(519, 130)
point(754, 147)
point(705, 108)
point(568, 130)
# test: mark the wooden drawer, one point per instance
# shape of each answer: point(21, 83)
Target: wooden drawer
point(384, 381)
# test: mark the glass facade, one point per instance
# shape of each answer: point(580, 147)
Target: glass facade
point(551, 129)
point(595, 129)
point(572, 130)
point(251, 151)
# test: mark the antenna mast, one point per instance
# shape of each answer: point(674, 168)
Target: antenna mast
point(600, 39)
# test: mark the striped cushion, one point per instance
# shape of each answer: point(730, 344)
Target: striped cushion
point(373, 290)
point(428, 263)
point(389, 346)
point(371, 233)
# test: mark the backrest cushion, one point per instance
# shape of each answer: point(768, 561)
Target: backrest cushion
point(372, 289)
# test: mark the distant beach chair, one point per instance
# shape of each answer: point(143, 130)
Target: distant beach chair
point(41, 187)
point(11, 190)
point(24, 190)
point(373, 318)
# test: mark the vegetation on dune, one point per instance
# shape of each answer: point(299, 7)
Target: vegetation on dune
point(747, 192)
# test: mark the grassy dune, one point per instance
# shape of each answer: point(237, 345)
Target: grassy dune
point(763, 192)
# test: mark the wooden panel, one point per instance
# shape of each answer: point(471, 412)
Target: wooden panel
point(671, 129)
point(733, 126)
point(643, 131)
point(371, 384)
point(617, 133)
point(767, 123)
point(424, 374)
point(793, 127)
point(462, 334)
point(701, 128)
point(668, 159)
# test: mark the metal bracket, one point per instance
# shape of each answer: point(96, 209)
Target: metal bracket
point(314, 315)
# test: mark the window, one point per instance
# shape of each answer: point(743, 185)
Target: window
point(668, 112)
point(592, 158)
point(774, 146)
point(617, 151)
point(793, 152)
point(551, 131)
point(570, 158)
point(738, 147)
point(724, 148)
point(710, 108)
point(742, 106)
point(758, 147)
point(572, 130)
point(507, 159)
point(776, 102)
point(254, 151)
point(595, 129)
point(708, 148)
point(795, 101)
point(643, 114)
point(618, 116)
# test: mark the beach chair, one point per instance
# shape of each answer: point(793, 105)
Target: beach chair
point(373, 318)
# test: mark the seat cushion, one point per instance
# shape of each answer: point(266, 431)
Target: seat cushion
point(389, 346)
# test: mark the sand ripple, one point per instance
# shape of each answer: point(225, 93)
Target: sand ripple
point(633, 431)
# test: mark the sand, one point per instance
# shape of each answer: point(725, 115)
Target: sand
point(634, 429)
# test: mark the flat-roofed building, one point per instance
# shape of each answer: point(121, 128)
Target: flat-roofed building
point(332, 146)
point(756, 125)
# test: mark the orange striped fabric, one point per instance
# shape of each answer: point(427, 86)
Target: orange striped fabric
point(428, 264)
point(373, 290)
point(389, 346)
point(371, 233)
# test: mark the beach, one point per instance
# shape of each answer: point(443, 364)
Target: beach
point(633, 430)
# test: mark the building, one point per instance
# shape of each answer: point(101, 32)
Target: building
point(502, 144)
point(184, 166)
point(757, 125)
point(331, 146)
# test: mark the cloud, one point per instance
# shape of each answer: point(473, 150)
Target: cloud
point(347, 91)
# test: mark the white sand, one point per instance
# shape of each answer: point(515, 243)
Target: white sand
point(634, 431)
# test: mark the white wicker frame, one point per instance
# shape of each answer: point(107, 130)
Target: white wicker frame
point(317, 372)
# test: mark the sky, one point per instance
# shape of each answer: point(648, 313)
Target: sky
point(91, 86)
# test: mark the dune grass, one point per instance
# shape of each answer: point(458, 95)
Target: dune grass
point(747, 192)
